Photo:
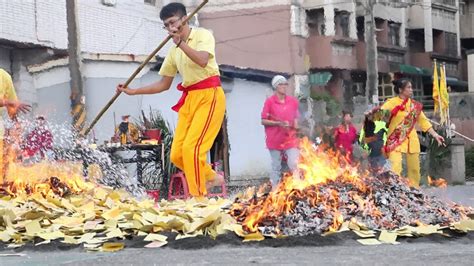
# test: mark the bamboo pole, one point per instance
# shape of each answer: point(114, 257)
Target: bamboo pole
point(454, 131)
point(142, 65)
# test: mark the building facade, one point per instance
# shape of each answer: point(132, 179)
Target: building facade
point(319, 44)
point(115, 36)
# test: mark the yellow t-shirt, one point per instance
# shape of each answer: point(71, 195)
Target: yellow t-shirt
point(177, 61)
point(412, 143)
point(7, 92)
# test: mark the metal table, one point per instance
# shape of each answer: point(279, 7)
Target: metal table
point(144, 153)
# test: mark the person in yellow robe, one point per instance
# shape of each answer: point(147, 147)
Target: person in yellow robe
point(404, 114)
point(8, 101)
point(201, 108)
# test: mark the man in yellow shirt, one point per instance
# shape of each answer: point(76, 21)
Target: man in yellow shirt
point(202, 106)
point(402, 138)
point(9, 101)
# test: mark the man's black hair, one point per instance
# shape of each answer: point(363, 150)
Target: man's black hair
point(171, 10)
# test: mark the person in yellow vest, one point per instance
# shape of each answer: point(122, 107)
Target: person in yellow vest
point(202, 105)
point(402, 138)
point(8, 101)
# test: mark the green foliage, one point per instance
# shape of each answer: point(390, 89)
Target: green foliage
point(333, 107)
point(155, 120)
point(438, 155)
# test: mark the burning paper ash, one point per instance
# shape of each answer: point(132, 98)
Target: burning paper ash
point(332, 192)
point(105, 171)
point(49, 199)
point(60, 168)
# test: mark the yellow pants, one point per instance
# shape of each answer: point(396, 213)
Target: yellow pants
point(199, 122)
point(413, 166)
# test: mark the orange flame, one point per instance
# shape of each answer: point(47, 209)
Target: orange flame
point(316, 166)
point(45, 177)
point(440, 182)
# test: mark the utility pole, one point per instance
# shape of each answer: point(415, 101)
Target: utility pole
point(75, 63)
point(371, 52)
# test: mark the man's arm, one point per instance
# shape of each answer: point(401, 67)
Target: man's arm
point(199, 57)
point(162, 85)
point(205, 48)
point(10, 100)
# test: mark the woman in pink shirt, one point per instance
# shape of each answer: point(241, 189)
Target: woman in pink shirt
point(279, 116)
point(345, 135)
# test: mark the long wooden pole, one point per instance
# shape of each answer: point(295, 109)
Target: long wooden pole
point(142, 65)
point(455, 132)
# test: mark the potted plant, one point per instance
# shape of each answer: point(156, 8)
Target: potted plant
point(156, 121)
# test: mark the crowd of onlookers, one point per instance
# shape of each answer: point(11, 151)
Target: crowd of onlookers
point(387, 132)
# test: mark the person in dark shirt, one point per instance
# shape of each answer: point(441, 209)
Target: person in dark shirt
point(373, 138)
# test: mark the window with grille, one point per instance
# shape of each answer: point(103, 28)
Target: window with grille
point(394, 34)
point(385, 87)
point(315, 21)
point(341, 20)
point(451, 42)
point(462, 8)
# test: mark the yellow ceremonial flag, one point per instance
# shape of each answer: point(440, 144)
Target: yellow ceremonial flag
point(443, 91)
point(436, 95)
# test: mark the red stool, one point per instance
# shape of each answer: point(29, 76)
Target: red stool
point(154, 194)
point(178, 188)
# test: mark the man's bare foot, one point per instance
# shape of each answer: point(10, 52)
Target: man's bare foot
point(217, 181)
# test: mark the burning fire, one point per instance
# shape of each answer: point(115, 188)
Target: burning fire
point(328, 191)
point(440, 182)
point(46, 177)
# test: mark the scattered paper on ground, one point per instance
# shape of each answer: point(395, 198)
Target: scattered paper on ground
point(369, 241)
point(388, 237)
point(464, 225)
point(364, 234)
point(101, 218)
point(112, 247)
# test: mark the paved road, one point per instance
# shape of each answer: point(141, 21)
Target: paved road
point(404, 254)
point(460, 194)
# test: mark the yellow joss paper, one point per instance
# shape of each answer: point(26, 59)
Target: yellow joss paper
point(253, 237)
point(112, 247)
point(155, 237)
point(369, 241)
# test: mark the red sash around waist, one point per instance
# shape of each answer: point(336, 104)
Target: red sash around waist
point(210, 82)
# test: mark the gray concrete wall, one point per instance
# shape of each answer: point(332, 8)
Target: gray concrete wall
point(461, 107)
point(470, 70)
point(248, 155)
point(5, 62)
point(53, 102)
